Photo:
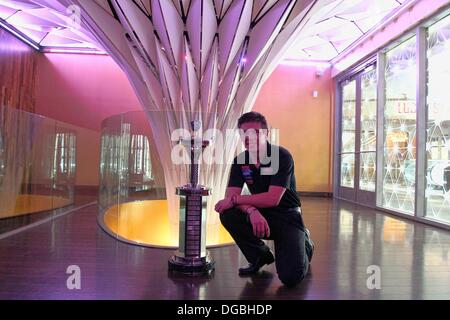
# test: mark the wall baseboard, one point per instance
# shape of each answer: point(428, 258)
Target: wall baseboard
point(315, 194)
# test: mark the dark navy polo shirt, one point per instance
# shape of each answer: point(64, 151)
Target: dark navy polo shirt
point(258, 180)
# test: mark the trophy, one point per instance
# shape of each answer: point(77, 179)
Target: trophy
point(192, 257)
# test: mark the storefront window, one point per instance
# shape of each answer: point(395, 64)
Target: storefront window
point(399, 161)
point(438, 123)
point(368, 130)
point(348, 134)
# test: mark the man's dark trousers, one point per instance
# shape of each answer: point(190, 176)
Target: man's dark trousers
point(287, 232)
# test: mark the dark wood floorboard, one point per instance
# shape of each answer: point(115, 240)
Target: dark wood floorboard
point(413, 257)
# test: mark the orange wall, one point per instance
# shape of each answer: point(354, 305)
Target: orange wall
point(305, 122)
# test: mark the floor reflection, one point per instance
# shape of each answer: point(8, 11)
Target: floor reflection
point(256, 285)
point(190, 287)
point(413, 259)
point(406, 252)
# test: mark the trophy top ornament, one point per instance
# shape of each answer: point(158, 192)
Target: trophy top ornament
point(195, 143)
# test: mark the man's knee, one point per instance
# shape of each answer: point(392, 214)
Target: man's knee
point(291, 280)
point(293, 277)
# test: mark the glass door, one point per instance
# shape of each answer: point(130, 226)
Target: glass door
point(348, 140)
point(367, 135)
point(357, 154)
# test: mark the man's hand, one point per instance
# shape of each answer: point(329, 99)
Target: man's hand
point(224, 204)
point(259, 223)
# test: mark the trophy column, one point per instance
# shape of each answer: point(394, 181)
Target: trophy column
point(192, 257)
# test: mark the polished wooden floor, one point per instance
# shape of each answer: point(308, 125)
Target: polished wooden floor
point(413, 259)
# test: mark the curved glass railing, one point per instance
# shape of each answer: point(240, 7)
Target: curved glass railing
point(138, 178)
point(37, 165)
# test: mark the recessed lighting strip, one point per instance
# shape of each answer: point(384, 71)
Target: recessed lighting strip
point(19, 35)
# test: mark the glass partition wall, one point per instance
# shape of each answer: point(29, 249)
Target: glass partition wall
point(393, 150)
point(138, 204)
point(38, 160)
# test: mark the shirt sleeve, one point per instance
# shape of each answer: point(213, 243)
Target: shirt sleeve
point(236, 178)
point(282, 177)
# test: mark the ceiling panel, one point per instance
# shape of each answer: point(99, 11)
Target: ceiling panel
point(334, 27)
point(45, 27)
point(339, 24)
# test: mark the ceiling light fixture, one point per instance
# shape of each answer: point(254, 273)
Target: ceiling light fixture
point(73, 51)
point(19, 35)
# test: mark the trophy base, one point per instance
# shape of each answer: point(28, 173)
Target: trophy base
point(191, 266)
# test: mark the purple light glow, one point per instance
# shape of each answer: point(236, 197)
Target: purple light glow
point(44, 27)
point(73, 51)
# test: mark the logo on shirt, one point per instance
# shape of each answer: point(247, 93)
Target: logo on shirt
point(247, 174)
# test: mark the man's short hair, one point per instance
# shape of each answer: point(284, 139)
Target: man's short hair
point(253, 117)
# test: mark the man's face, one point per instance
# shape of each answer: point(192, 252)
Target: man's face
point(254, 136)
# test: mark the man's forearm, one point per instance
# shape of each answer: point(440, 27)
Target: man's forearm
point(260, 200)
point(237, 191)
point(244, 207)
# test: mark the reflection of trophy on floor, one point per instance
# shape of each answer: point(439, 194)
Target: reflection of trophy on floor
point(191, 257)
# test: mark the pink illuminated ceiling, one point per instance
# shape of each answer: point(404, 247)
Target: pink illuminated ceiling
point(43, 27)
point(339, 24)
point(335, 26)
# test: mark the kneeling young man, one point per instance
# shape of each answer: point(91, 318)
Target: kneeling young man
point(272, 211)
